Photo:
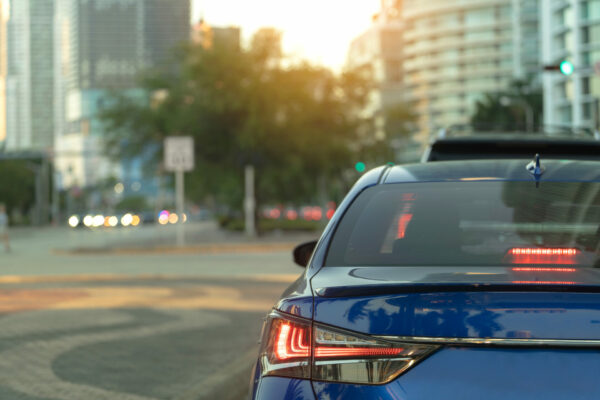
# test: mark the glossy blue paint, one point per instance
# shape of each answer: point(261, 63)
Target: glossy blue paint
point(485, 373)
point(470, 313)
point(275, 388)
point(297, 299)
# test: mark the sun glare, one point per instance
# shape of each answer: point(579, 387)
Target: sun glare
point(317, 30)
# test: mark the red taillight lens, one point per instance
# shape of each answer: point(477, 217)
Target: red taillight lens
point(333, 355)
point(286, 348)
point(293, 341)
point(324, 352)
point(535, 255)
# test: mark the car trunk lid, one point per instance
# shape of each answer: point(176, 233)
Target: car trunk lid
point(487, 302)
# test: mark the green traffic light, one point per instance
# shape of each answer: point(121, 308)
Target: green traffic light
point(567, 68)
point(360, 166)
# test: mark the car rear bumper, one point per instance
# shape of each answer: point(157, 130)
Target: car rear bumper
point(275, 388)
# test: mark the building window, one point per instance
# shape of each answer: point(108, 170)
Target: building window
point(590, 34)
point(585, 85)
point(479, 17)
point(393, 71)
point(590, 9)
point(479, 35)
point(590, 58)
point(588, 111)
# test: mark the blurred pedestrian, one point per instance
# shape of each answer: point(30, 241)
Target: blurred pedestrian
point(4, 227)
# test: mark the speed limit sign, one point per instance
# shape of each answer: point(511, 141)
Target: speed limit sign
point(179, 153)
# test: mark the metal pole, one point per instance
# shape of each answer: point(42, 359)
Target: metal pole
point(529, 116)
point(249, 201)
point(39, 202)
point(179, 196)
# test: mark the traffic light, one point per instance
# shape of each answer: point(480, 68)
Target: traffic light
point(566, 67)
point(360, 167)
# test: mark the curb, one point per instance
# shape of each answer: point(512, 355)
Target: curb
point(234, 248)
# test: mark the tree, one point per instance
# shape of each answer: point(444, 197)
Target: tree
point(294, 123)
point(18, 185)
point(506, 111)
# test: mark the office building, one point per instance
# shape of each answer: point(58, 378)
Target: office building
point(102, 47)
point(4, 15)
point(456, 50)
point(571, 31)
point(30, 76)
point(380, 49)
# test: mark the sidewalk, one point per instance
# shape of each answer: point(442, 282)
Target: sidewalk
point(200, 238)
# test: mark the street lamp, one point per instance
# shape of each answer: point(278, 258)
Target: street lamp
point(507, 101)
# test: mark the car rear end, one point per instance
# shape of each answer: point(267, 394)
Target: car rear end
point(473, 286)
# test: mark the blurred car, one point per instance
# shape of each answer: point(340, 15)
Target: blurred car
point(460, 143)
point(480, 284)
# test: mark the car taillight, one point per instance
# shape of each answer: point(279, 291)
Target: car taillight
point(330, 354)
point(286, 349)
point(538, 255)
point(340, 356)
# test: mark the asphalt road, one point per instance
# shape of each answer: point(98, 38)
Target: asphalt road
point(148, 323)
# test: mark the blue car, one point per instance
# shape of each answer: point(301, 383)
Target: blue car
point(451, 280)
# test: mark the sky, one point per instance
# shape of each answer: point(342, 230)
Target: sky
point(317, 30)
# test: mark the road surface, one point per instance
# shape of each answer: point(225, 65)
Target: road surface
point(88, 315)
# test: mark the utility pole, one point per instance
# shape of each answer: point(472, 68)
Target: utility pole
point(249, 201)
point(179, 206)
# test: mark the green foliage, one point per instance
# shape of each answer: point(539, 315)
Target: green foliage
point(18, 185)
point(494, 114)
point(132, 204)
point(293, 121)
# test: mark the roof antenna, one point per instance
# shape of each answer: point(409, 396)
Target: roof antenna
point(536, 169)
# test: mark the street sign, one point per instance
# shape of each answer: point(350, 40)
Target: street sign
point(179, 153)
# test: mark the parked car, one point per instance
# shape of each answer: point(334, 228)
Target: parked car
point(453, 280)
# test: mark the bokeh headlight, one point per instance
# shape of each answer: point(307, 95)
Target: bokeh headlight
point(73, 221)
point(126, 219)
point(98, 220)
point(88, 221)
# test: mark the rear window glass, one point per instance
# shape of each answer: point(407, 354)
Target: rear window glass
point(470, 224)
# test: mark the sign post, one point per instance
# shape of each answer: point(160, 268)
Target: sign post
point(249, 201)
point(179, 158)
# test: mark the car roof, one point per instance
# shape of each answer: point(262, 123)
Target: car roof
point(494, 170)
point(512, 146)
point(518, 137)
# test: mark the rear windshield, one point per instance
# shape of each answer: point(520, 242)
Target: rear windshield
point(470, 224)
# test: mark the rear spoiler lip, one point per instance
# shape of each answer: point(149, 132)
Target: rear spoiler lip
point(407, 288)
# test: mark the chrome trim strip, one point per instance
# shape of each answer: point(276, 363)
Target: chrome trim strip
point(361, 361)
point(494, 341)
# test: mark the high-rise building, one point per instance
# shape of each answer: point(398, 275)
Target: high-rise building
point(30, 76)
point(571, 31)
point(103, 46)
point(456, 50)
point(380, 49)
point(4, 15)
point(207, 35)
